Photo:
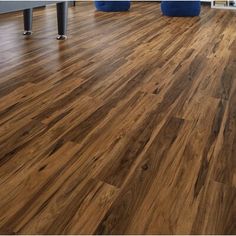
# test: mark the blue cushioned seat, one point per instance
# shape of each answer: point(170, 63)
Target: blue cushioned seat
point(112, 6)
point(181, 8)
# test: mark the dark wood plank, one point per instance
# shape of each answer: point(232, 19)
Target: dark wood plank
point(217, 210)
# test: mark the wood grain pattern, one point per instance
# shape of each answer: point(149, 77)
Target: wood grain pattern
point(128, 127)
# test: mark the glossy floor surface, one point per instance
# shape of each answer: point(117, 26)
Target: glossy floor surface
point(128, 127)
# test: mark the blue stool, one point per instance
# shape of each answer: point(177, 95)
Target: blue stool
point(112, 6)
point(181, 8)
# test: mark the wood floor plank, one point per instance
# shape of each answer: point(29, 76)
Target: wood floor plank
point(217, 210)
point(172, 182)
point(81, 206)
point(223, 168)
point(115, 221)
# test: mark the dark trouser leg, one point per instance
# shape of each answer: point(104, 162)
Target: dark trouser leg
point(62, 12)
point(28, 17)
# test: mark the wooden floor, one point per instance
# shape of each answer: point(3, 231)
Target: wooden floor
point(128, 127)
